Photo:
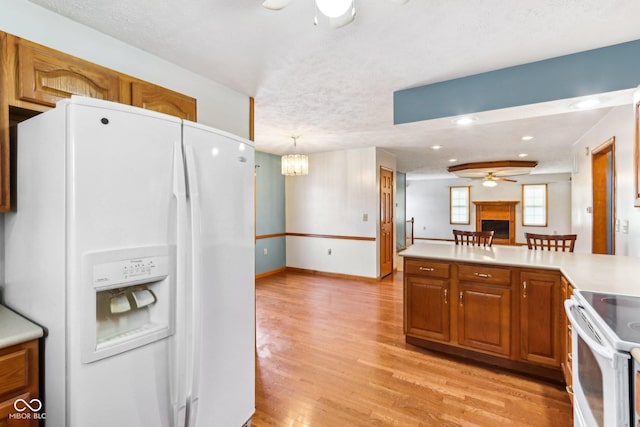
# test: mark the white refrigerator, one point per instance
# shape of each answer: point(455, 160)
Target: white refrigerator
point(132, 244)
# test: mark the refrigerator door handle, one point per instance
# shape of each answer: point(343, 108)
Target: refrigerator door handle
point(179, 391)
point(196, 251)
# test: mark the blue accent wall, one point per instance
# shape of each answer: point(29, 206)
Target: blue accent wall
point(270, 213)
point(590, 72)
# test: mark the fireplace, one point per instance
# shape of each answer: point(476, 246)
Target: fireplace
point(499, 216)
point(500, 227)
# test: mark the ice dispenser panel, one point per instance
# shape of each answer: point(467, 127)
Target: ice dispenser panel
point(133, 301)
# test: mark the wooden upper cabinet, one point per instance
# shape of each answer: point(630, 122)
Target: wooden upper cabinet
point(152, 97)
point(5, 161)
point(44, 76)
point(34, 78)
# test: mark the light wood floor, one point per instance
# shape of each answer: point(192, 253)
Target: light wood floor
point(331, 352)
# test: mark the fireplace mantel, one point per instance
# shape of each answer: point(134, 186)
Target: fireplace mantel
point(498, 210)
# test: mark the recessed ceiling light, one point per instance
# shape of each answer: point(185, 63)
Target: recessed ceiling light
point(522, 155)
point(436, 147)
point(466, 120)
point(587, 103)
point(527, 138)
point(452, 160)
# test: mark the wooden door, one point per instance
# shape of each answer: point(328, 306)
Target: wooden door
point(540, 317)
point(386, 222)
point(427, 308)
point(484, 314)
point(604, 198)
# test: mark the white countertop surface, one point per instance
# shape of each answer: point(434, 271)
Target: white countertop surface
point(15, 329)
point(601, 273)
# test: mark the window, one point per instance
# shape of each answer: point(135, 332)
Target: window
point(534, 205)
point(459, 205)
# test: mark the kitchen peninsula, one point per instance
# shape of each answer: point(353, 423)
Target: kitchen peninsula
point(503, 304)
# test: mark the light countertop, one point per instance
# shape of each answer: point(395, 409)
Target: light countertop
point(15, 329)
point(601, 273)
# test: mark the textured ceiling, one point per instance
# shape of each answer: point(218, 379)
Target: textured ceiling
point(333, 87)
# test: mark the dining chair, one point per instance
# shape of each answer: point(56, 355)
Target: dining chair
point(473, 238)
point(564, 242)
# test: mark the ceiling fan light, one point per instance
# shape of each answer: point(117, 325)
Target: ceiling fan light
point(275, 4)
point(334, 8)
point(489, 183)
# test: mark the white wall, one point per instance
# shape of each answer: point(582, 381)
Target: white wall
point(428, 204)
point(619, 123)
point(342, 187)
point(218, 106)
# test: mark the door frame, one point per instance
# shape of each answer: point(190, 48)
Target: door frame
point(605, 148)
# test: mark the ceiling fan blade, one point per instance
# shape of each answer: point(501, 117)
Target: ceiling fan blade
point(505, 179)
point(275, 4)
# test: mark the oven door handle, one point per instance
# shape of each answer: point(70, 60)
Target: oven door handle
point(602, 350)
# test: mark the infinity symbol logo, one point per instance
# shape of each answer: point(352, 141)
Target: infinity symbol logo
point(21, 405)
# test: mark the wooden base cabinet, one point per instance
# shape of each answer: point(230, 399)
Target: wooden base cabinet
point(426, 294)
point(540, 317)
point(506, 316)
point(567, 359)
point(19, 380)
point(484, 318)
point(428, 313)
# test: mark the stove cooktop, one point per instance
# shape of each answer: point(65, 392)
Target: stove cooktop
point(621, 313)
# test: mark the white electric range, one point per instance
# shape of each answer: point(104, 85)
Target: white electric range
point(606, 329)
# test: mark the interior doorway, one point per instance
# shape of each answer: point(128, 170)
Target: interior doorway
point(386, 222)
point(604, 198)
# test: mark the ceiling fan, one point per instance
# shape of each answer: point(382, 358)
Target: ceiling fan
point(492, 172)
point(491, 180)
point(339, 12)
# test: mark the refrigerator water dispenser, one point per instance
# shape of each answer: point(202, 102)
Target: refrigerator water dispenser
point(133, 300)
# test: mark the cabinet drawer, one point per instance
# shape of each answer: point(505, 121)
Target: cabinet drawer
point(14, 370)
point(483, 274)
point(427, 267)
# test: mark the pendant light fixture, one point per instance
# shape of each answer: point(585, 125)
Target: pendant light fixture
point(295, 164)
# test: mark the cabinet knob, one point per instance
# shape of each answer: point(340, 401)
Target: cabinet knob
point(426, 268)
point(461, 294)
point(524, 289)
point(446, 296)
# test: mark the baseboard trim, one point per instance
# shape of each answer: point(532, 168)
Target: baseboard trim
point(270, 272)
point(327, 274)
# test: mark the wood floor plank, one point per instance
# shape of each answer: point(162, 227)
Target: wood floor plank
point(331, 352)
